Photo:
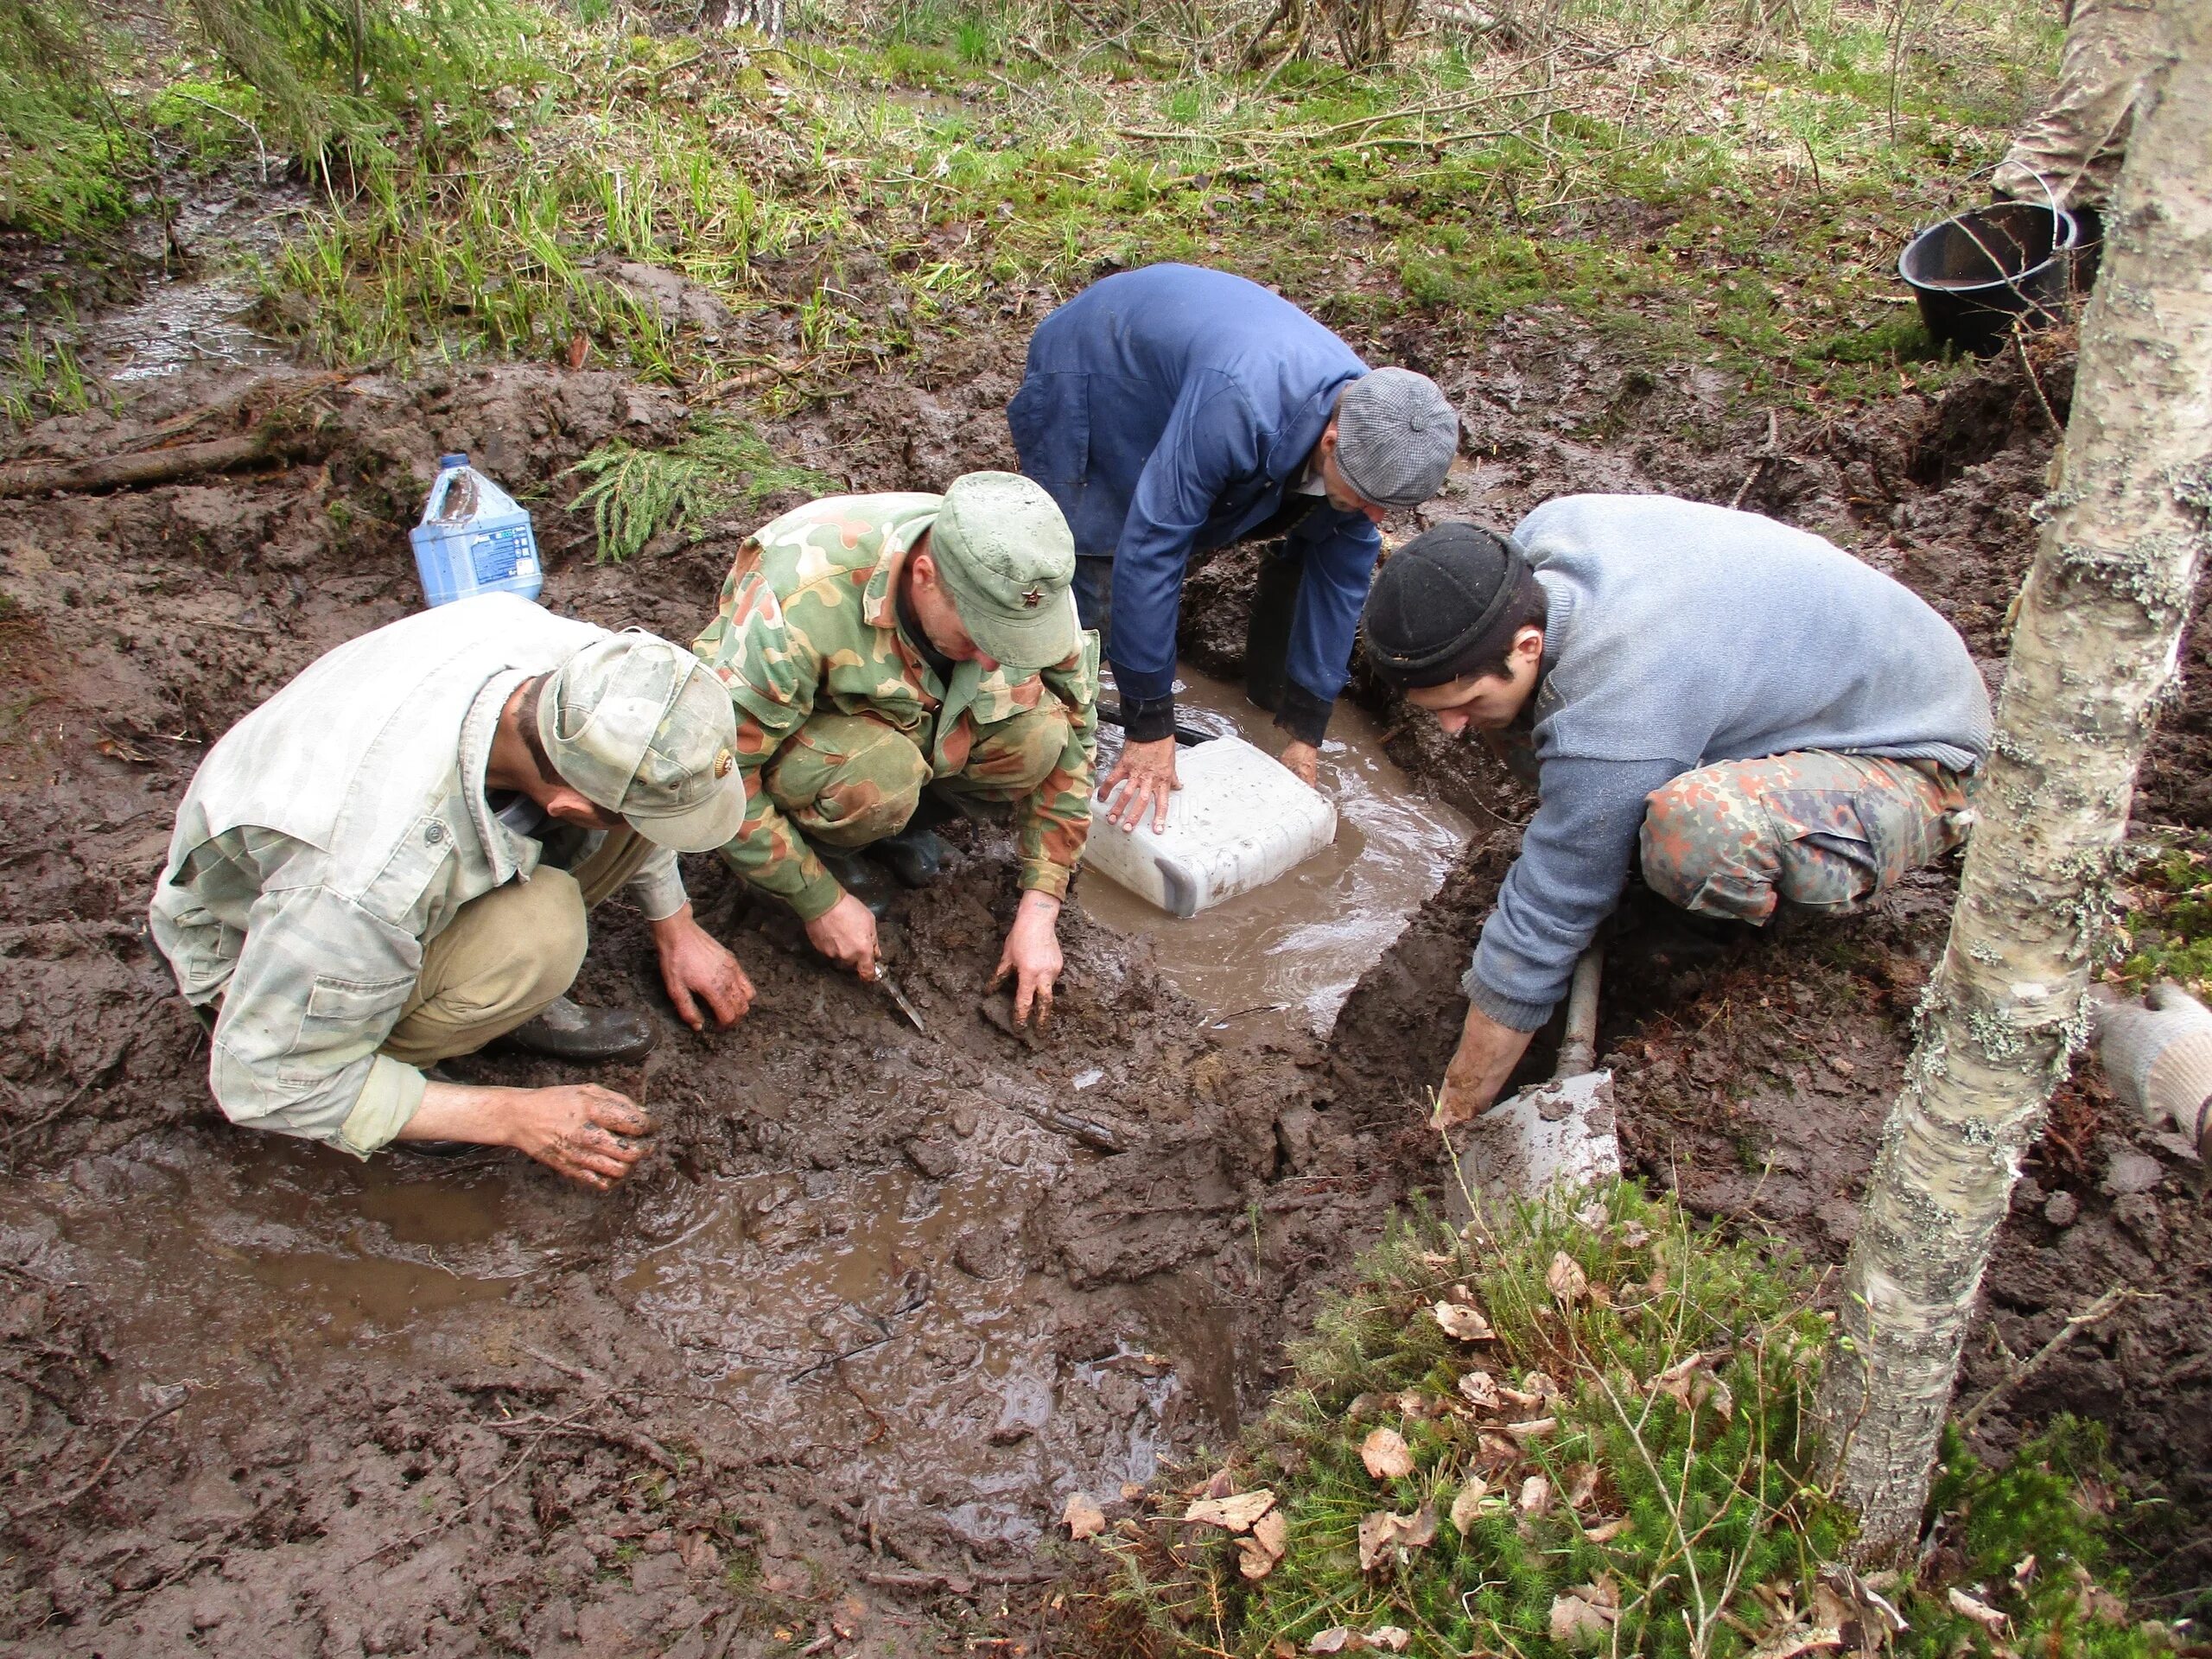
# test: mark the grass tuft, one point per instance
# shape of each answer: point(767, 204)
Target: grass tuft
point(720, 465)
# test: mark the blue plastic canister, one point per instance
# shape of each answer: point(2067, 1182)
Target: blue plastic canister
point(474, 539)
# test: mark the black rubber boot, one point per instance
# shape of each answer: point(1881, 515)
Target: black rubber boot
point(567, 1032)
point(866, 880)
point(915, 856)
point(1267, 636)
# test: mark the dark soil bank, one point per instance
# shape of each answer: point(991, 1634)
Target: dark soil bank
point(820, 1377)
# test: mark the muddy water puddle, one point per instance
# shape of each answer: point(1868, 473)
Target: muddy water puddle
point(881, 1315)
point(1295, 948)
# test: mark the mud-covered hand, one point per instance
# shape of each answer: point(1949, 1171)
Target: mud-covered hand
point(1304, 762)
point(2159, 1058)
point(702, 976)
point(1146, 776)
point(846, 934)
point(1487, 1054)
point(1031, 956)
point(590, 1135)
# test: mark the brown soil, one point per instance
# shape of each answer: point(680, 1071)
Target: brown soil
point(578, 1425)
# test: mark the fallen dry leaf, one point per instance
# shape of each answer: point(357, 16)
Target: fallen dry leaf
point(1565, 1279)
point(1536, 1495)
point(1479, 1388)
point(2094, 1601)
point(1464, 1323)
point(1382, 1533)
point(1257, 1554)
point(1332, 1640)
point(1635, 1235)
point(1386, 1454)
point(1082, 1517)
point(1592, 1215)
point(1469, 1503)
point(1585, 1614)
point(1582, 1485)
point(1607, 1533)
point(1521, 1399)
point(1390, 1638)
point(1231, 1514)
point(1799, 1639)
point(1692, 1384)
point(1540, 1384)
point(1377, 1532)
point(1980, 1611)
point(1535, 1429)
point(1221, 1484)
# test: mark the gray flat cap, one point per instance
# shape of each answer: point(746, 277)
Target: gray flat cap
point(1395, 437)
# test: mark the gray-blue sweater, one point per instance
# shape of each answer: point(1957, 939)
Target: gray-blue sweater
point(1679, 635)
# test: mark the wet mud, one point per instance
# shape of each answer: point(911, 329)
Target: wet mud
point(832, 1360)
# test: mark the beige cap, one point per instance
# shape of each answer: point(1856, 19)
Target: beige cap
point(1007, 558)
point(639, 726)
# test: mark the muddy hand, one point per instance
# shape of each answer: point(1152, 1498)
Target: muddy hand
point(1032, 956)
point(1145, 776)
point(846, 934)
point(1304, 762)
point(702, 978)
point(590, 1135)
point(1487, 1054)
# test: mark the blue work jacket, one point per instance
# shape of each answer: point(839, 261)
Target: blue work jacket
point(1167, 410)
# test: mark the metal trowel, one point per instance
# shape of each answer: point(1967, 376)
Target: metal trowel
point(1561, 1132)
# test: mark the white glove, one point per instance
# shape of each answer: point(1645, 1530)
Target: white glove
point(2159, 1058)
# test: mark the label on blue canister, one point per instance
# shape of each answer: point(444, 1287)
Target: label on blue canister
point(498, 555)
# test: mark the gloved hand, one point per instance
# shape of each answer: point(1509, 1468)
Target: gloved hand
point(2159, 1058)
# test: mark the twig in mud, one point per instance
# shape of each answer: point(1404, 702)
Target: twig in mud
point(439, 1529)
point(2035, 382)
point(2101, 1309)
point(629, 1438)
point(106, 1463)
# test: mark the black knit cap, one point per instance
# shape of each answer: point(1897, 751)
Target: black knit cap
point(1440, 605)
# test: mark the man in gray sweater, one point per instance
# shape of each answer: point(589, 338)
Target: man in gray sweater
point(1749, 711)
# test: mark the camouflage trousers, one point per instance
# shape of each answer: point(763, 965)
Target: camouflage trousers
point(846, 780)
point(2079, 140)
point(1816, 829)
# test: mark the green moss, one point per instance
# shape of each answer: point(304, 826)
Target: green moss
point(2169, 925)
point(1712, 1492)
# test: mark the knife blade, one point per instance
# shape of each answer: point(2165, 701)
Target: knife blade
point(900, 997)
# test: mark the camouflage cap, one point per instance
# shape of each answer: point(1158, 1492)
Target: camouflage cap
point(639, 726)
point(1007, 559)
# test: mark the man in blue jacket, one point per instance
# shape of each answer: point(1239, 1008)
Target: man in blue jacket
point(1173, 410)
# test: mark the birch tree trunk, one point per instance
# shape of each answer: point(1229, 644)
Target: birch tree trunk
point(2095, 645)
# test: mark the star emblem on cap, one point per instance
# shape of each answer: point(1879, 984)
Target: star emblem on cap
point(1032, 597)
point(723, 762)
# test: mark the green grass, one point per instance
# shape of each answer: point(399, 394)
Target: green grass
point(1702, 191)
point(634, 495)
point(1670, 1373)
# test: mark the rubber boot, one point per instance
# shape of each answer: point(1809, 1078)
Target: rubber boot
point(567, 1032)
point(1267, 636)
point(915, 854)
point(866, 880)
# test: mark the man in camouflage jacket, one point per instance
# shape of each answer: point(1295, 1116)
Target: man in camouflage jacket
point(877, 644)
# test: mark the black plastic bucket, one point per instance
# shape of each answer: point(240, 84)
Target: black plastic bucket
point(1976, 274)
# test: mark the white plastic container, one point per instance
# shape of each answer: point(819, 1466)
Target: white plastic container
point(1241, 819)
point(473, 538)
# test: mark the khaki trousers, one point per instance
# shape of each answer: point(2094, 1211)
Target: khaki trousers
point(506, 957)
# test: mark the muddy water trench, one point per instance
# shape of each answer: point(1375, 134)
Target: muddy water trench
point(1292, 949)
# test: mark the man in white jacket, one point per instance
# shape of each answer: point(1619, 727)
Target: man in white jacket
point(389, 862)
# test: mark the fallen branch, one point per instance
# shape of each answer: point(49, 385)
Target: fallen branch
point(158, 466)
point(106, 1463)
point(2102, 1308)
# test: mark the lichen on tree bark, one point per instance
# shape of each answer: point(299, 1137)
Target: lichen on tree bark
point(2095, 649)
